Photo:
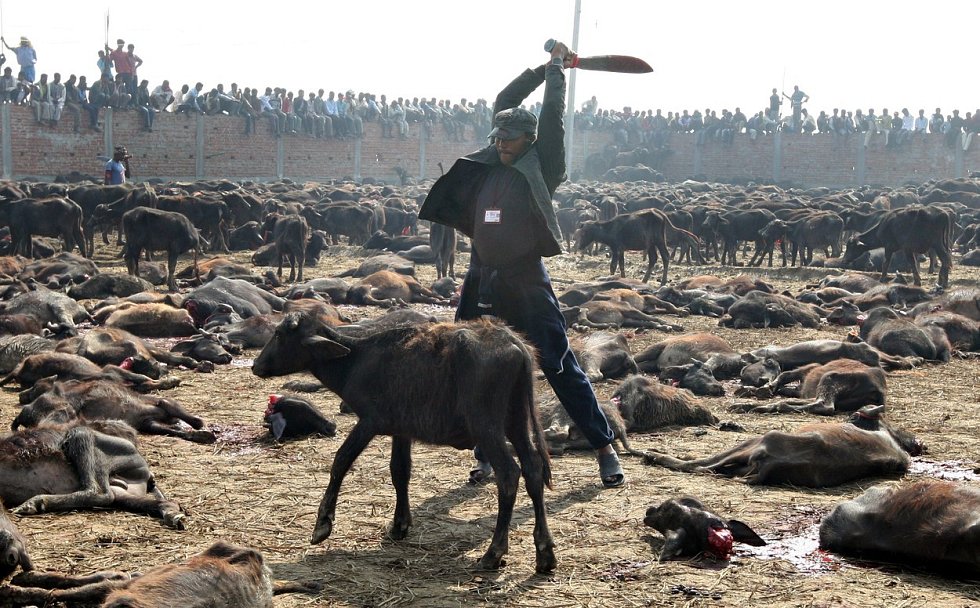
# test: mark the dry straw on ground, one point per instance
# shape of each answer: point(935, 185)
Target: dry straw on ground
point(249, 491)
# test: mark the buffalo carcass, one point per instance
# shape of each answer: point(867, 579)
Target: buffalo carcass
point(825, 351)
point(689, 529)
point(65, 467)
point(459, 385)
point(111, 345)
point(891, 333)
point(758, 309)
point(646, 405)
point(68, 366)
point(930, 523)
point(695, 361)
point(156, 230)
point(613, 314)
point(563, 435)
point(223, 575)
point(50, 401)
point(150, 320)
point(912, 230)
point(13, 547)
point(53, 310)
point(963, 333)
point(639, 231)
point(14, 349)
point(385, 288)
point(817, 455)
point(843, 385)
point(290, 417)
point(243, 297)
point(604, 355)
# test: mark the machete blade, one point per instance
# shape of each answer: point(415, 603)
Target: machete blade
point(614, 63)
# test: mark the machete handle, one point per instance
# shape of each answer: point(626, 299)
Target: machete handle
point(550, 44)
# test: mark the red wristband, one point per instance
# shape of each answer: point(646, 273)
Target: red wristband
point(574, 62)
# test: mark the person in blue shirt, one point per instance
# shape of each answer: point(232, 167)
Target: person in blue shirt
point(26, 56)
point(117, 169)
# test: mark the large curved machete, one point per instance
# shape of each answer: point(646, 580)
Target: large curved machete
point(606, 63)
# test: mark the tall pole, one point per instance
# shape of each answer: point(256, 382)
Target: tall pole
point(570, 108)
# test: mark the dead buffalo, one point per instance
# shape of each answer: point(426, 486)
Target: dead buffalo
point(758, 309)
point(14, 349)
point(647, 405)
point(896, 335)
point(963, 333)
point(446, 384)
point(66, 467)
point(817, 455)
point(930, 523)
point(291, 417)
point(386, 288)
point(105, 346)
point(223, 575)
point(689, 529)
point(62, 402)
point(563, 435)
point(13, 547)
point(603, 355)
point(614, 314)
point(68, 366)
point(158, 230)
point(843, 385)
point(825, 351)
point(681, 350)
point(152, 320)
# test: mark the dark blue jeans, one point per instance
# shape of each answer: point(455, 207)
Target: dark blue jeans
point(522, 297)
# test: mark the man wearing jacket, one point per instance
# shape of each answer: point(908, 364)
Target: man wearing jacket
point(500, 196)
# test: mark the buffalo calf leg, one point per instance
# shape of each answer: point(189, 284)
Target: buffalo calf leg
point(401, 473)
point(532, 469)
point(352, 447)
point(508, 477)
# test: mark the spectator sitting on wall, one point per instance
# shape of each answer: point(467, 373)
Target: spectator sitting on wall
point(8, 86)
point(936, 122)
point(162, 96)
point(809, 124)
point(144, 106)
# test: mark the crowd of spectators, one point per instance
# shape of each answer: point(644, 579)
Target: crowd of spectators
point(341, 115)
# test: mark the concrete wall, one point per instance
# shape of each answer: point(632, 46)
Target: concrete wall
point(185, 147)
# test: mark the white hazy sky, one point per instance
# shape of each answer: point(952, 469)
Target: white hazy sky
point(708, 54)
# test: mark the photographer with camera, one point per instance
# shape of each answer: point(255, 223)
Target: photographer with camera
point(117, 169)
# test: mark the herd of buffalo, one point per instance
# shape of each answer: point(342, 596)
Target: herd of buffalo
point(91, 353)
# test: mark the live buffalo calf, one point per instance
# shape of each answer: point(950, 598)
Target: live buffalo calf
point(460, 385)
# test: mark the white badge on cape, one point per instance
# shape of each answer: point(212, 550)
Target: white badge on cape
point(491, 216)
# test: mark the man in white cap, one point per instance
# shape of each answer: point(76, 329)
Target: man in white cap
point(500, 197)
point(26, 57)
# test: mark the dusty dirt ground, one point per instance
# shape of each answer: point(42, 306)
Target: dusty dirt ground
point(249, 491)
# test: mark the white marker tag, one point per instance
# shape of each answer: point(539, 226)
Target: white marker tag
point(491, 216)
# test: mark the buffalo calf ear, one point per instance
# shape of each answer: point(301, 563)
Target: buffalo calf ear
point(674, 545)
point(325, 348)
point(742, 533)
